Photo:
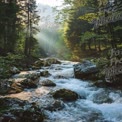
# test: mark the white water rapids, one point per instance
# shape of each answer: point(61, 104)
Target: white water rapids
point(95, 104)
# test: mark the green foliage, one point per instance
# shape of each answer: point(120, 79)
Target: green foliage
point(7, 62)
point(117, 28)
point(88, 35)
point(101, 62)
point(17, 21)
point(14, 57)
point(4, 68)
point(89, 17)
point(79, 31)
point(3, 109)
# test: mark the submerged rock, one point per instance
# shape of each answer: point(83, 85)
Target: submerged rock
point(102, 97)
point(65, 95)
point(85, 70)
point(93, 116)
point(54, 106)
point(47, 82)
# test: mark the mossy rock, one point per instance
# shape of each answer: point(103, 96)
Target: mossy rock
point(30, 83)
point(44, 73)
point(65, 95)
point(45, 62)
point(47, 82)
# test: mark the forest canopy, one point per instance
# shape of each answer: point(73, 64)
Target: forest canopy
point(91, 27)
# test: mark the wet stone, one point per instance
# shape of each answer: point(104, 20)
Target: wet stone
point(47, 82)
point(65, 95)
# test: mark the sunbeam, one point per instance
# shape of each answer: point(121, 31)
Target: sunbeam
point(50, 2)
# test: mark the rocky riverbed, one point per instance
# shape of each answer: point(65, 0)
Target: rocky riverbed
point(51, 92)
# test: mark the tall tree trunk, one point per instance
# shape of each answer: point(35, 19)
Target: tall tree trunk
point(99, 46)
point(95, 45)
point(83, 46)
point(26, 50)
point(5, 38)
point(113, 42)
point(89, 45)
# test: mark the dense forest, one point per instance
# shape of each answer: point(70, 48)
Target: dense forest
point(86, 30)
point(18, 21)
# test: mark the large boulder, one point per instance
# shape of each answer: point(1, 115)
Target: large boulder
point(47, 82)
point(85, 70)
point(8, 86)
point(18, 82)
point(104, 84)
point(15, 110)
point(65, 95)
point(52, 61)
point(38, 64)
point(30, 79)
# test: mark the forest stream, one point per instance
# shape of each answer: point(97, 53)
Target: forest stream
point(93, 104)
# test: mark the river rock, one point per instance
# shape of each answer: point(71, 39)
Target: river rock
point(52, 61)
point(85, 70)
point(28, 74)
point(29, 83)
point(44, 73)
point(47, 82)
point(93, 115)
point(4, 86)
point(45, 62)
point(15, 110)
point(8, 86)
point(55, 105)
point(102, 97)
point(104, 84)
point(38, 64)
point(65, 95)
point(31, 78)
point(15, 89)
point(16, 85)
point(14, 70)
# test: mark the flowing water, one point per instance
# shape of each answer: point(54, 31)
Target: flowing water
point(94, 105)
